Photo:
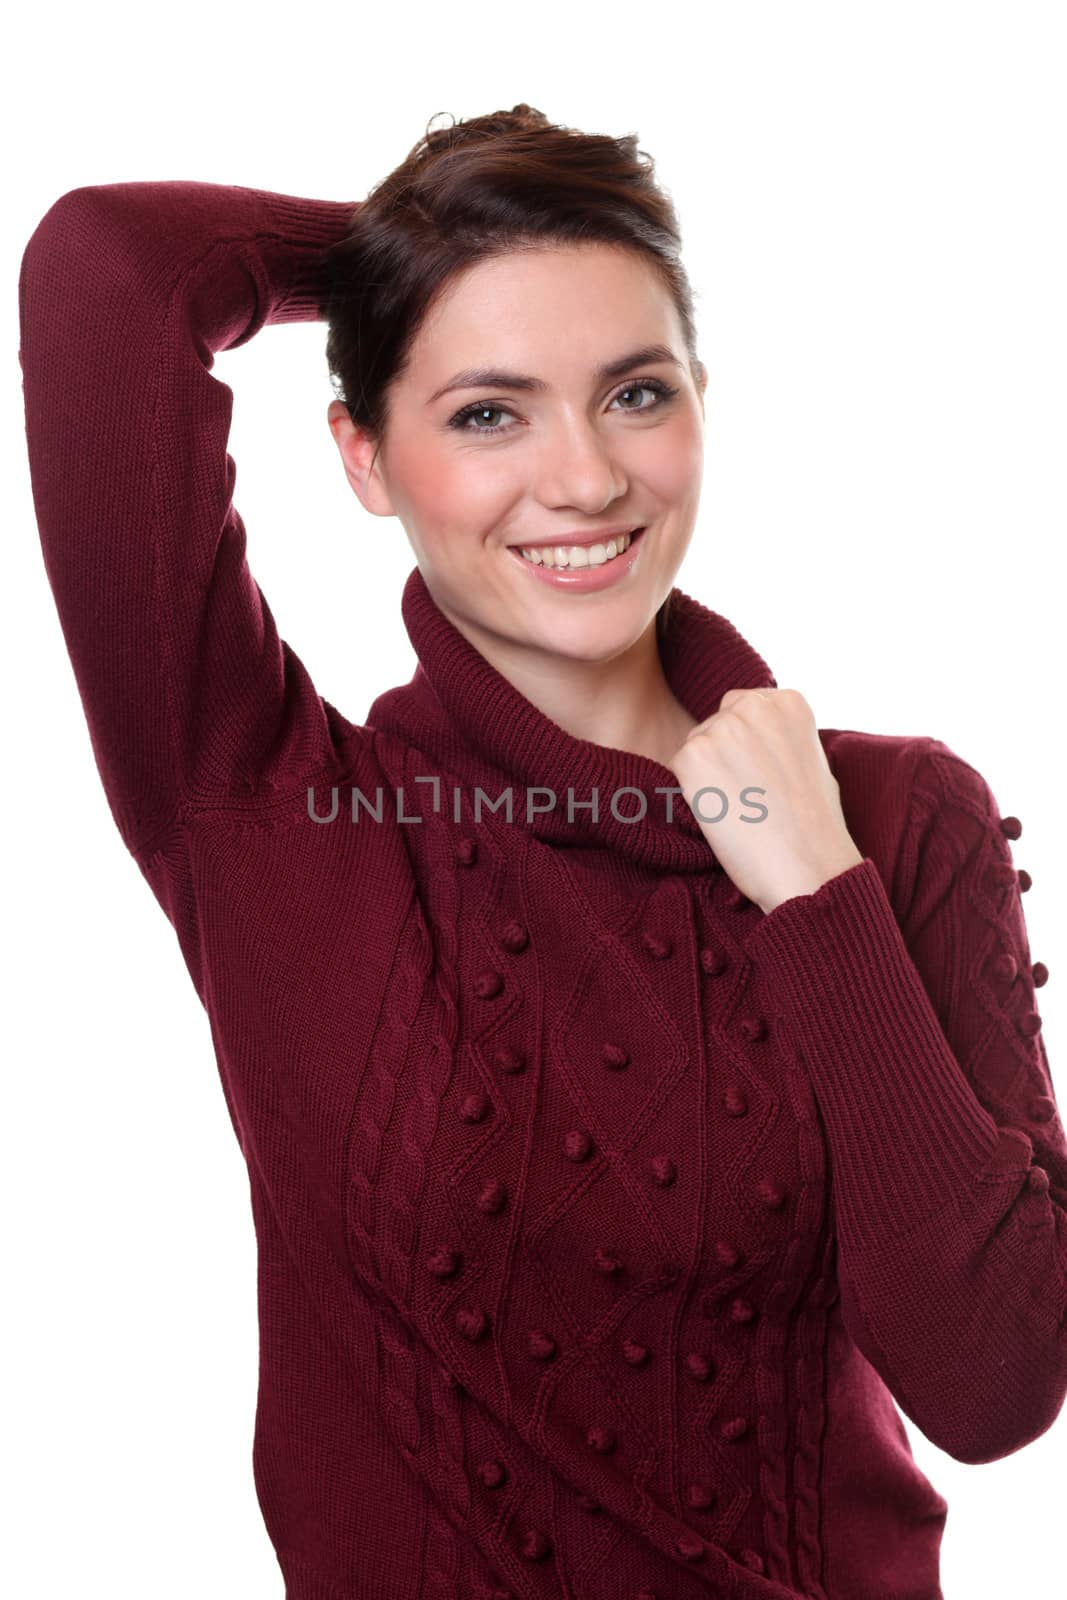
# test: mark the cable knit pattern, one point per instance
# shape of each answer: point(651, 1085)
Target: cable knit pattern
point(606, 1226)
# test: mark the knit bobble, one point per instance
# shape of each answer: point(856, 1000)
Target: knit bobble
point(473, 1324)
point(1002, 876)
point(535, 1545)
point(646, 1594)
point(1005, 967)
point(1025, 880)
point(474, 1106)
point(615, 1056)
point(493, 1474)
point(1039, 973)
point(492, 1196)
point(467, 852)
point(1037, 1178)
point(633, 1353)
point(657, 947)
point(690, 1545)
point(514, 938)
point(752, 1560)
point(577, 1145)
point(664, 1170)
point(714, 962)
point(736, 900)
point(1043, 1109)
point(736, 1428)
point(735, 1101)
point(541, 1345)
point(606, 1260)
point(700, 1496)
point(601, 1439)
point(741, 1310)
point(753, 1028)
point(726, 1254)
point(771, 1192)
point(508, 1059)
point(588, 1503)
point(699, 1366)
point(1029, 1024)
point(444, 1263)
point(1010, 827)
point(488, 984)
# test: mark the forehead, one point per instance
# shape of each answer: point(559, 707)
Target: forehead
point(530, 308)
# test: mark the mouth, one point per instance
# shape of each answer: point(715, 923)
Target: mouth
point(577, 557)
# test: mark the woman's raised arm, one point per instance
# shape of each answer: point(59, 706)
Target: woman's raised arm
point(126, 291)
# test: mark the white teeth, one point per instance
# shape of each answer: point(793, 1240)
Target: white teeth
point(577, 555)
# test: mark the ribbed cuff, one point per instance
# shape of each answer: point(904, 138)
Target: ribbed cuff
point(906, 1131)
point(306, 228)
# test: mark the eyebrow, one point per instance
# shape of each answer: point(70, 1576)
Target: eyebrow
point(496, 378)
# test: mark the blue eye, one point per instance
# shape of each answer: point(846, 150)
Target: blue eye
point(663, 392)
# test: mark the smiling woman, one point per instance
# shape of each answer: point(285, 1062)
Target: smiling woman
point(612, 1172)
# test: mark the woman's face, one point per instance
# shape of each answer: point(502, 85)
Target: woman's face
point(493, 464)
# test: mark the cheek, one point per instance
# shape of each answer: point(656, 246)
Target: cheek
point(672, 465)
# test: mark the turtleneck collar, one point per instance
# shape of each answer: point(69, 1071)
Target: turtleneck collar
point(477, 729)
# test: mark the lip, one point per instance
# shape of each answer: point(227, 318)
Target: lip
point(598, 536)
point(585, 579)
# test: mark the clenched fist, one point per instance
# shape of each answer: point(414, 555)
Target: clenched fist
point(766, 740)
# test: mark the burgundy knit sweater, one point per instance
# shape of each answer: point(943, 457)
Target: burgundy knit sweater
point(601, 1218)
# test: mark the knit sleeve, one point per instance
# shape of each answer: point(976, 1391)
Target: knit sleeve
point(126, 292)
point(922, 1041)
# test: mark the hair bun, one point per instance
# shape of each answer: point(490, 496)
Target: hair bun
point(522, 118)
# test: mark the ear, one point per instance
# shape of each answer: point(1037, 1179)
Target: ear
point(358, 451)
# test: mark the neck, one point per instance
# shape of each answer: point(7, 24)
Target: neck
point(625, 703)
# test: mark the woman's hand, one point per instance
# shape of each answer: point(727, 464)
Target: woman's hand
point(766, 740)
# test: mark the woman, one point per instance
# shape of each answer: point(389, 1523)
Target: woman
point(615, 1163)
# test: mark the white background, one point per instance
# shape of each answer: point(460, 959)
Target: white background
point(872, 199)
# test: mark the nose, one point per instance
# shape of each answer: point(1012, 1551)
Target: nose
point(579, 467)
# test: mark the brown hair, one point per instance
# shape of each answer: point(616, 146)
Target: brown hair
point(484, 186)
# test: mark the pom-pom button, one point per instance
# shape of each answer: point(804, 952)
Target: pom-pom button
point(735, 1101)
point(488, 984)
point(664, 1170)
point(690, 1545)
point(577, 1145)
point(444, 1263)
point(473, 1323)
point(514, 937)
point(467, 852)
point(492, 1196)
point(541, 1345)
point(1029, 1024)
point(633, 1353)
point(1039, 973)
point(1010, 827)
point(474, 1107)
point(493, 1474)
point(615, 1056)
point(714, 962)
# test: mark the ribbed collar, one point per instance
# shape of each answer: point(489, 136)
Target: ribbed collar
point(477, 729)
